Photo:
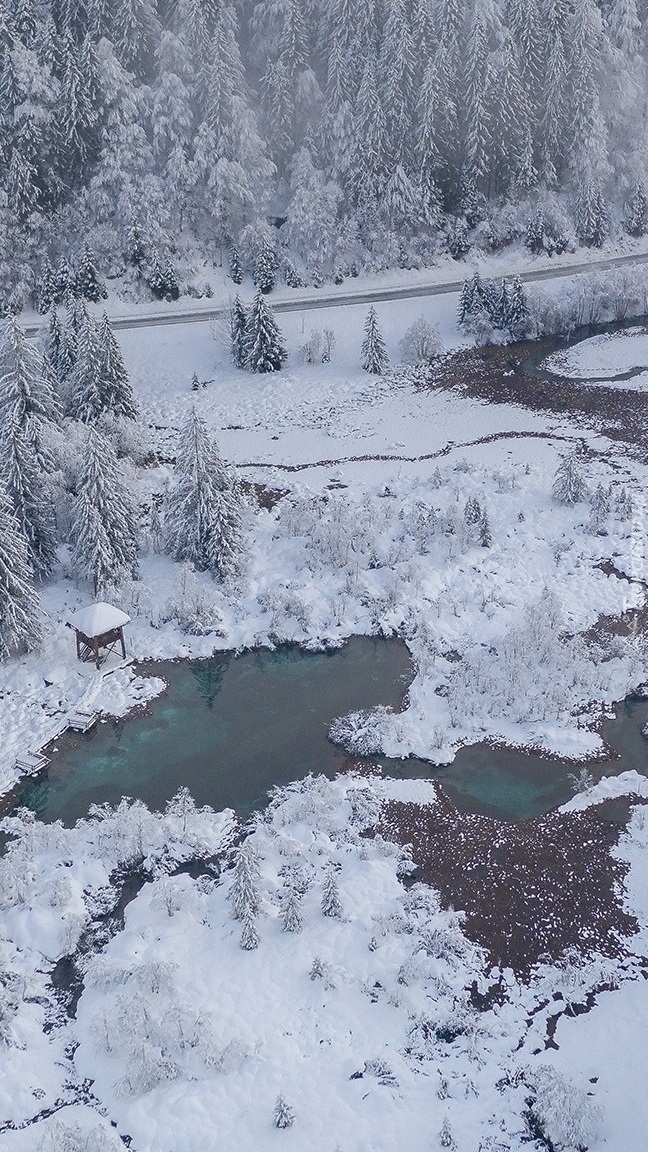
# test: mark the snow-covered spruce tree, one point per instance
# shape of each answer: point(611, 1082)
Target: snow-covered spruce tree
point(235, 269)
point(103, 532)
point(375, 358)
point(87, 282)
point(116, 394)
point(19, 604)
point(238, 323)
point(85, 391)
point(243, 893)
point(26, 393)
point(331, 905)
point(265, 351)
point(22, 474)
point(203, 511)
point(569, 487)
point(249, 934)
point(636, 214)
point(592, 222)
point(290, 911)
point(283, 1115)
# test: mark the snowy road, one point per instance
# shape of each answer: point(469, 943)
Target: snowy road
point(362, 295)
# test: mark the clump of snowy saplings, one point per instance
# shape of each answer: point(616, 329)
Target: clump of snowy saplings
point(319, 347)
point(488, 308)
point(256, 342)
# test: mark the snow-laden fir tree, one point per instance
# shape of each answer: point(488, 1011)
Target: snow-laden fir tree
point(19, 604)
point(25, 483)
point(103, 528)
point(238, 323)
point(249, 934)
point(265, 350)
point(243, 894)
point(85, 401)
point(87, 281)
point(284, 1115)
point(636, 216)
point(26, 394)
point(331, 904)
point(592, 218)
point(600, 504)
point(569, 486)
point(375, 358)
point(116, 393)
point(290, 911)
point(203, 511)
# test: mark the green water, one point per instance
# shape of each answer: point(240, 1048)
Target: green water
point(230, 728)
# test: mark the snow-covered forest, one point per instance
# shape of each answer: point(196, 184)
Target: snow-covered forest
point(309, 141)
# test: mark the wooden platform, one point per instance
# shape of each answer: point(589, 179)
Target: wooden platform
point(31, 761)
point(81, 721)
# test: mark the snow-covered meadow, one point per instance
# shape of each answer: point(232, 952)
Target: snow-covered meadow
point(357, 1001)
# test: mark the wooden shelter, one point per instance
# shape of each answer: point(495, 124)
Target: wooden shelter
point(99, 627)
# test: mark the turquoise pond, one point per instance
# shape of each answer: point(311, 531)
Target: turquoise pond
point(231, 727)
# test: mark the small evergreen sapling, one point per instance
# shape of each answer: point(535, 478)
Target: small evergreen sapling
point(331, 905)
point(238, 340)
point(284, 1115)
point(374, 350)
point(235, 269)
point(290, 911)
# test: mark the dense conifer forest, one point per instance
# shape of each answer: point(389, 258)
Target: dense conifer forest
point(309, 140)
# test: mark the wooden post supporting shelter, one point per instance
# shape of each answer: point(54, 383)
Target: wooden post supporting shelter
point(98, 627)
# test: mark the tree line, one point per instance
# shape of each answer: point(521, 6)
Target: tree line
point(311, 140)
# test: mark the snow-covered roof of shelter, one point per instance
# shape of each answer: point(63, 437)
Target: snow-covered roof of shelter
point(97, 619)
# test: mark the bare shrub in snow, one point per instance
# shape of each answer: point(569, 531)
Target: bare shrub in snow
point(361, 733)
point(193, 606)
point(283, 1116)
point(561, 1112)
point(421, 342)
point(311, 352)
point(581, 781)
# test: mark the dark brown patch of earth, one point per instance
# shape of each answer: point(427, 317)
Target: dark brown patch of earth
point(528, 890)
point(497, 375)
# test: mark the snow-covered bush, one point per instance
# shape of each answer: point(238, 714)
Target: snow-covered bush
point(421, 342)
point(361, 733)
point(563, 1113)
